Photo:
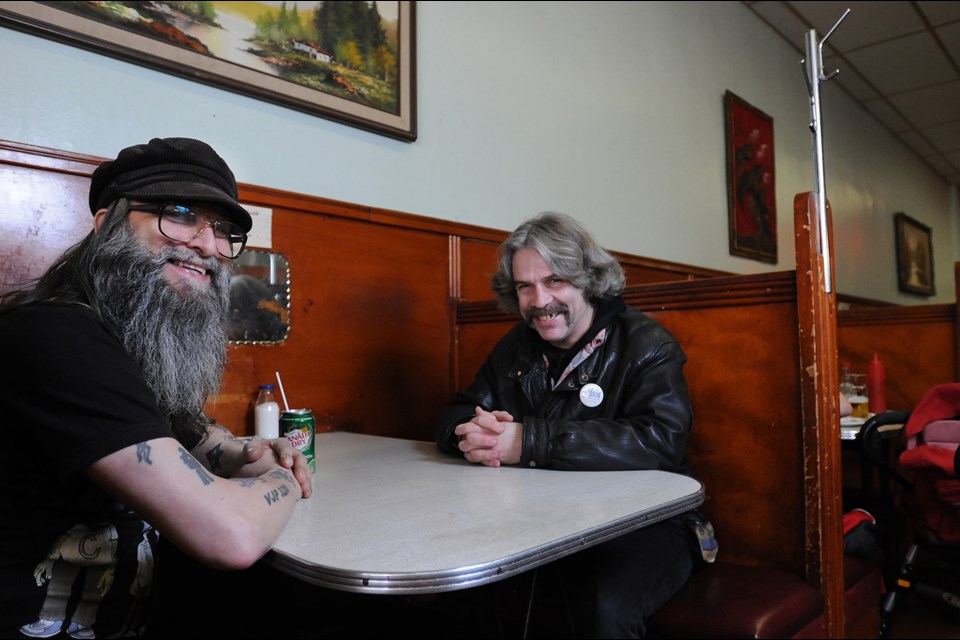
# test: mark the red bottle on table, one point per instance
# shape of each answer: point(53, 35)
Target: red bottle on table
point(877, 385)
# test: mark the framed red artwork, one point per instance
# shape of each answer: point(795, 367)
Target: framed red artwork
point(751, 184)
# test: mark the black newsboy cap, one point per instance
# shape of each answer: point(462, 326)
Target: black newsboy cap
point(169, 169)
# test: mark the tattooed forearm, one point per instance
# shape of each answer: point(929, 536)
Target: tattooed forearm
point(192, 463)
point(143, 453)
point(213, 458)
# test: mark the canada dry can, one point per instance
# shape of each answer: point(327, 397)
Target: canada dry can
point(299, 427)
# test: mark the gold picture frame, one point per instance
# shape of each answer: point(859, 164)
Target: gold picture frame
point(914, 255)
point(368, 83)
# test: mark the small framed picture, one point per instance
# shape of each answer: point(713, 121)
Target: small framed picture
point(914, 255)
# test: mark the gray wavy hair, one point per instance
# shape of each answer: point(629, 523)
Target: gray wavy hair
point(571, 252)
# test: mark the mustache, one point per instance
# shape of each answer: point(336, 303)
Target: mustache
point(532, 313)
point(170, 254)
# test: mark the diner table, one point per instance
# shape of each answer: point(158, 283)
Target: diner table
point(396, 516)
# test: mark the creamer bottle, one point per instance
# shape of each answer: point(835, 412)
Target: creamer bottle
point(266, 413)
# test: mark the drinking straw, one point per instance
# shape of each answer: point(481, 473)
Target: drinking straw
point(285, 405)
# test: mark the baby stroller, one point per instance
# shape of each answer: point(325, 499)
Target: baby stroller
point(924, 488)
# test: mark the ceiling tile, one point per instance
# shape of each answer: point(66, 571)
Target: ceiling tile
point(950, 37)
point(902, 64)
point(930, 106)
point(867, 22)
point(887, 115)
point(940, 12)
point(855, 85)
point(918, 143)
point(784, 21)
point(939, 163)
point(945, 136)
point(954, 159)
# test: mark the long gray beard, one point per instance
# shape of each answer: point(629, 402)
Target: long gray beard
point(177, 337)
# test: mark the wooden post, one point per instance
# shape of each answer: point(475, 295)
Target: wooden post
point(820, 392)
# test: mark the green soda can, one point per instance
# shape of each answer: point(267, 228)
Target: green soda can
point(299, 427)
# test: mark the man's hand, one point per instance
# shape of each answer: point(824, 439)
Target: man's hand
point(491, 438)
point(260, 455)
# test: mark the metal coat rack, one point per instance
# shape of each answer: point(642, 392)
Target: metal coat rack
point(813, 74)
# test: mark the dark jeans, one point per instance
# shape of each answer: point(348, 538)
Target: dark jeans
point(614, 587)
point(606, 591)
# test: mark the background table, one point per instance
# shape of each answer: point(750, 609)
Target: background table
point(396, 516)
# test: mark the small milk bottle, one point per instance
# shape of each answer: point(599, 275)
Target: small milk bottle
point(266, 413)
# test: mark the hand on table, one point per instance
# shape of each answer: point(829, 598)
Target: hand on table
point(261, 454)
point(491, 438)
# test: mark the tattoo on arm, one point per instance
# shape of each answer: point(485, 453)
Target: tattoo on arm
point(143, 453)
point(192, 463)
point(281, 474)
point(274, 496)
point(214, 456)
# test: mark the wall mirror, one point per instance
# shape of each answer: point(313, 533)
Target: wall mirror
point(259, 298)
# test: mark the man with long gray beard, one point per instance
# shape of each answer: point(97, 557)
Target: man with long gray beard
point(108, 362)
point(584, 382)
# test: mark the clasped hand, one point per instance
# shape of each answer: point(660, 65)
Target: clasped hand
point(491, 438)
point(279, 452)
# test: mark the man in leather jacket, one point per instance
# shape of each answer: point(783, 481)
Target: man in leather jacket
point(583, 382)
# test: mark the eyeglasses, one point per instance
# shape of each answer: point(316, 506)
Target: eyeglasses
point(182, 224)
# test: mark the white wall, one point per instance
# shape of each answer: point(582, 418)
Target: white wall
point(610, 111)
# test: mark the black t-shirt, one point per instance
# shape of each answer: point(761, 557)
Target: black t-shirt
point(69, 553)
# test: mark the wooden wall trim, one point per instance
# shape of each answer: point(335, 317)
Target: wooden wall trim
point(26, 155)
point(898, 315)
point(857, 301)
point(689, 271)
point(268, 197)
point(725, 291)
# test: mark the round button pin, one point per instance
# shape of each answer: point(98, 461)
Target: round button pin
point(591, 395)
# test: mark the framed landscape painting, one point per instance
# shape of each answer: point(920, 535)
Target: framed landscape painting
point(751, 184)
point(350, 61)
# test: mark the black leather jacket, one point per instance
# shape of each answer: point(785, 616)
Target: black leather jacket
point(643, 422)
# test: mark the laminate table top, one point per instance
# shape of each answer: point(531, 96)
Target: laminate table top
point(397, 516)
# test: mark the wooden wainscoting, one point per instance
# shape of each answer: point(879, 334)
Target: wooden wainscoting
point(917, 344)
point(373, 331)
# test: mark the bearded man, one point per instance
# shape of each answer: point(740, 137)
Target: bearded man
point(108, 362)
point(584, 382)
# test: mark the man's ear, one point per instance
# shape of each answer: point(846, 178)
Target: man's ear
point(98, 219)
